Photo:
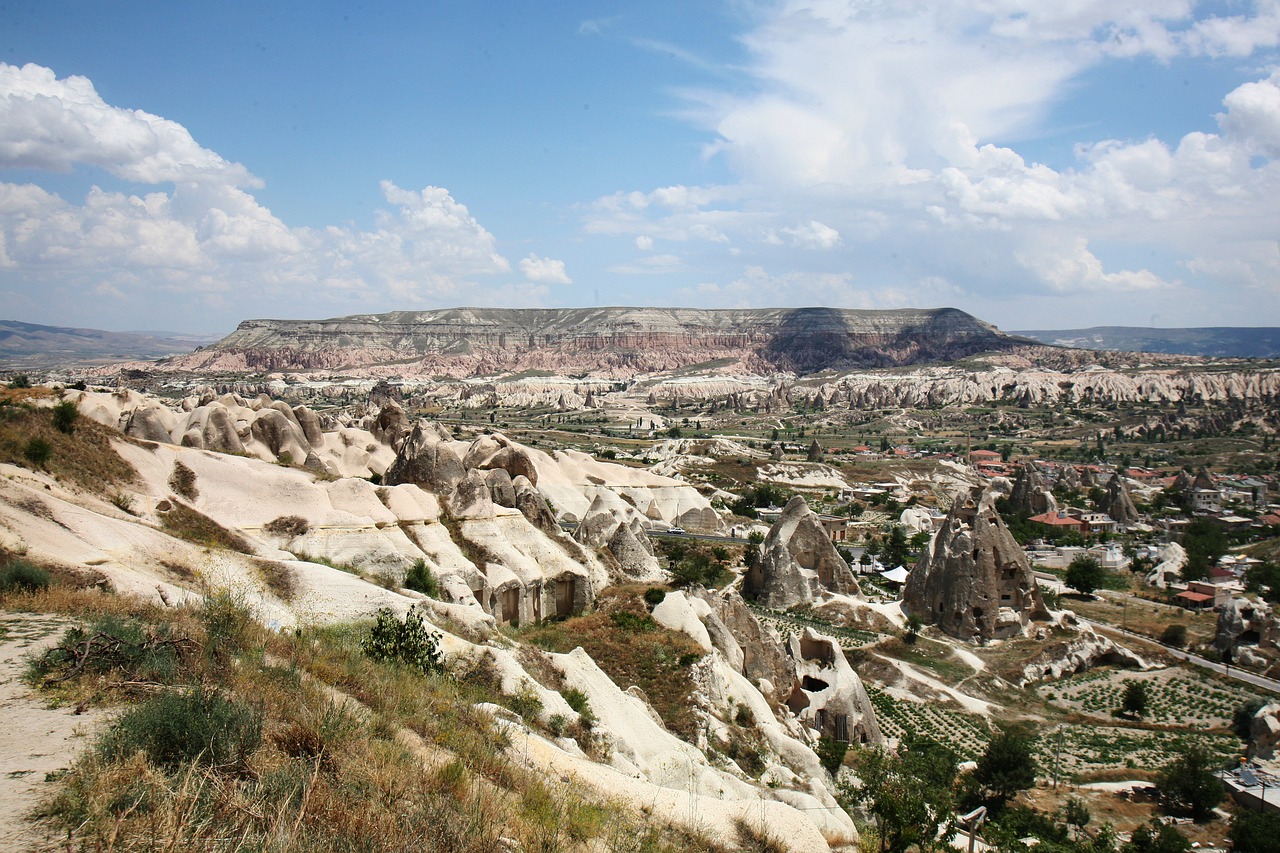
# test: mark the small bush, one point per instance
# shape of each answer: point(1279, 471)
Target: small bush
point(196, 527)
point(527, 703)
point(407, 642)
point(183, 481)
point(1175, 635)
point(174, 729)
point(37, 451)
point(420, 579)
point(64, 417)
point(20, 381)
point(24, 576)
point(654, 596)
point(113, 646)
point(123, 501)
point(831, 753)
point(287, 525)
point(627, 621)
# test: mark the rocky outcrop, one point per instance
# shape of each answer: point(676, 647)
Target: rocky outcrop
point(1030, 495)
point(533, 506)
point(1083, 652)
point(1264, 732)
point(1119, 503)
point(828, 694)
point(391, 425)
point(1171, 558)
point(974, 581)
point(1248, 634)
point(1070, 479)
point(498, 451)
point(474, 341)
point(616, 526)
point(797, 562)
point(426, 461)
point(757, 650)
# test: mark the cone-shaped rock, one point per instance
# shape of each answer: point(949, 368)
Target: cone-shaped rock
point(1119, 503)
point(427, 462)
point(974, 581)
point(1070, 478)
point(797, 562)
point(1029, 493)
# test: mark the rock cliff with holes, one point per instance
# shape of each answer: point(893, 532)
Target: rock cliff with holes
point(973, 580)
point(798, 563)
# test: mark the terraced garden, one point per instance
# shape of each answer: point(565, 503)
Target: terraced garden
point(966, 734)
point(1087, 749)
point(1174, 697)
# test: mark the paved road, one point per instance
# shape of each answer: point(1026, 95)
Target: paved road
point(1230, 672)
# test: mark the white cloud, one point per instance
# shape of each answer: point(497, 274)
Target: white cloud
point(47, 123)
point(545, 270)
point(206, 235)
point(813, 235)
point(644, 242)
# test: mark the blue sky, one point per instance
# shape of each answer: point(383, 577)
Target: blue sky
point(186, 166)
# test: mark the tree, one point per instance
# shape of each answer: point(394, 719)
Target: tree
point(1254, 832)
point(1174, 635)
point(897, 552)
point(1135, 698)
point(1156, 838)
point(910, 796)
point(1008, 765)
point(1085, 574)
point(1187, 784)
point(1242, 719)
point(1264, 579)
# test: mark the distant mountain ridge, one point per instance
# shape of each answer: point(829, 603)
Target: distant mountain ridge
point(604, 341)
point(1211, 341)
point(30, 346)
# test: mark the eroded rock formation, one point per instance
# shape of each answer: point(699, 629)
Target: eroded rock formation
point(1030, 495)
point(797, 562)
point(974, 581)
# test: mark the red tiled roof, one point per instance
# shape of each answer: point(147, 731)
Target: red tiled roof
point(1197, 597)
point(1054, 519)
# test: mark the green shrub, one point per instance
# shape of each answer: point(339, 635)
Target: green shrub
point(1175, 635)
point(174, 729)
point(654, 596)
point(420, 579)
point(20, 381)
point(627, 621)
point(831, 753)
point(24, 576)
point(404, 641)
point(37, 451)
point(64, 417)
point(527, 703)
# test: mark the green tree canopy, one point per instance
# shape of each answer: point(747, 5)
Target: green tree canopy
point(1008, 765)
point(1085, 574)
point(910, 796)
point(1187, 784)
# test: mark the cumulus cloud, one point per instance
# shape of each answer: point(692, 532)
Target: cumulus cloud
point(892, 131)
point(644, 242)
point(546, 270)
point(47, 123)
point(201, 232)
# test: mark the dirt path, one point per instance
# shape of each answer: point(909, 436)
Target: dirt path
point(35, 740)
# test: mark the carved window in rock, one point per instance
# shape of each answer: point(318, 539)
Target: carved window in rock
point(842, 728)
point(510, 600)
point(564, 596)
point(820, 719)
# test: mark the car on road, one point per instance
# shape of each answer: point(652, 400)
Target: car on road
point(675, 531)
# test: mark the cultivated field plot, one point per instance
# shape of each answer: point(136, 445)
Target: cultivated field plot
point(1089, 749)
point(787, 624)
point(1174, 696)
point(966, 734)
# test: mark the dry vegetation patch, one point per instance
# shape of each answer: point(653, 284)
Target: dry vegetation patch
point(632, 649)
point(194, 526)
point(84, 456)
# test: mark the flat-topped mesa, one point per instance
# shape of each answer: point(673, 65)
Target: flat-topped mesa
point(974, 581)
point(473, 341)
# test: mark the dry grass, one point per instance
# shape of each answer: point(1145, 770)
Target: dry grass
point(623, 640)
point(84, 457)
point(401, 761)
point(196, 527)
